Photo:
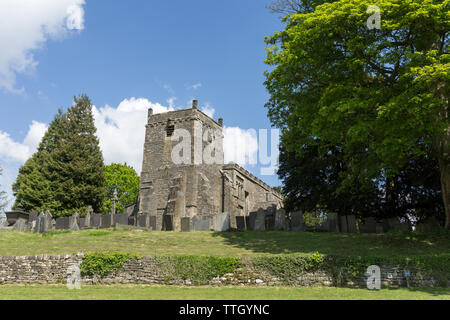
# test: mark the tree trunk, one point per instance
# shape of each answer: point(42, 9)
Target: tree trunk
point(445, 185)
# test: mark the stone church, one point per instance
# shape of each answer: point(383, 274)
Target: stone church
point(193, 189)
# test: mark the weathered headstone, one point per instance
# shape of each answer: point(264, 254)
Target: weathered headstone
point(222, 222)
point(333, 222)
point(88, 218)
point(201, 224)
point(168, 222)
point(369, 225)
point(153, 223)
point(96, 220)
point(82, 223)
point(32, 217)
point(105, 221)
point(74, 222)
point(396, 225)
point(280, 220)
point(62, 223)
point(121, 219)
point(185, 224)
point(297, 221)
point(260, 221)
point(43, 222)
point(251, 221)
point(428, 225)
point(142, 221)
point(240, 223)
point(20, 225)
point(270, 221)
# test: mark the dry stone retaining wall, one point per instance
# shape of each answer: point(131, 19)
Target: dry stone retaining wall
point(52, 269)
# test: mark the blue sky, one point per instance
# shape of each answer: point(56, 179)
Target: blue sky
point(127, 56)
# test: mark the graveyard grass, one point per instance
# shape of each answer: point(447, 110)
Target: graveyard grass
point(141, 292)
point(239, 244)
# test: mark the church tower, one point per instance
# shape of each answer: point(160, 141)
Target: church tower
point(183, 158)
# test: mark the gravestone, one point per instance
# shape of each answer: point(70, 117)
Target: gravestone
point(333, 222)
point(222, 222)
point(43, 223)
point(142, 221)
point(396, 225)
point(153, 223)
point(240, 223)
point(251, 221)
point(20, 225)
point(121, 219)
point(96, 220)
point(201, 224)
point(74, 222)
point(185, 224)
point(280, 220)
point(428, 225)
point(297, 221)
point(82, 223)
point(88, 218)
point(62, 223)
point(32, 217)
point(351, 220)
point(168, 222)
point(379, 228)
point(270, 221)
point(343, 224)
point(369, 225)
point(260, 221)
point(105, 221)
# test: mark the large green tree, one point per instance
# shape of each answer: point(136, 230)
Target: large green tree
point(67, 171)
point(123, 179)
point(378, 93)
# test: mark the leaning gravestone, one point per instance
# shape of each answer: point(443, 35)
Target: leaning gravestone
point(280, 220)
point(201, 224)
point(297, 221)
point(260, 221)
point(74, 222)
point(20, 225)
point(222, 222)
point(185, 224)
point(240, 223)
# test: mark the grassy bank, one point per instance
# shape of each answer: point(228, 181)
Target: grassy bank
point(224, 244)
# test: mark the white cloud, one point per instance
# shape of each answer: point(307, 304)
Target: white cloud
point(194, 86)
point(11, 150)
point(208, 110)
point(25, 26)
point(121, 130)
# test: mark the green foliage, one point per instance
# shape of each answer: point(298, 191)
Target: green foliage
point(362, 106)
point(199, 269)
point(103, 264)
point(125, 180)
point(66, 174)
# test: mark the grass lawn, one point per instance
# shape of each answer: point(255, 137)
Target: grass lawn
point(223, 244)
point(137, 292)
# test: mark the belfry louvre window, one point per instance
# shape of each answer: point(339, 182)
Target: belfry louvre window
point(169, 130)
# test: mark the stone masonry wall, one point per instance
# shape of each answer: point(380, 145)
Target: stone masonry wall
point(51, 269)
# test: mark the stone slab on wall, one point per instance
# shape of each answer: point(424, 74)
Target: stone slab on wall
point(62, 223)
point(201, 224)
point(222, 222)
point(185, 224)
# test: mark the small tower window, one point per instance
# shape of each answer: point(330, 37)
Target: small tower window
point(169, 130)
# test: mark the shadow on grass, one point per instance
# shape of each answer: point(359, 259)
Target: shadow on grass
point(389, 244)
